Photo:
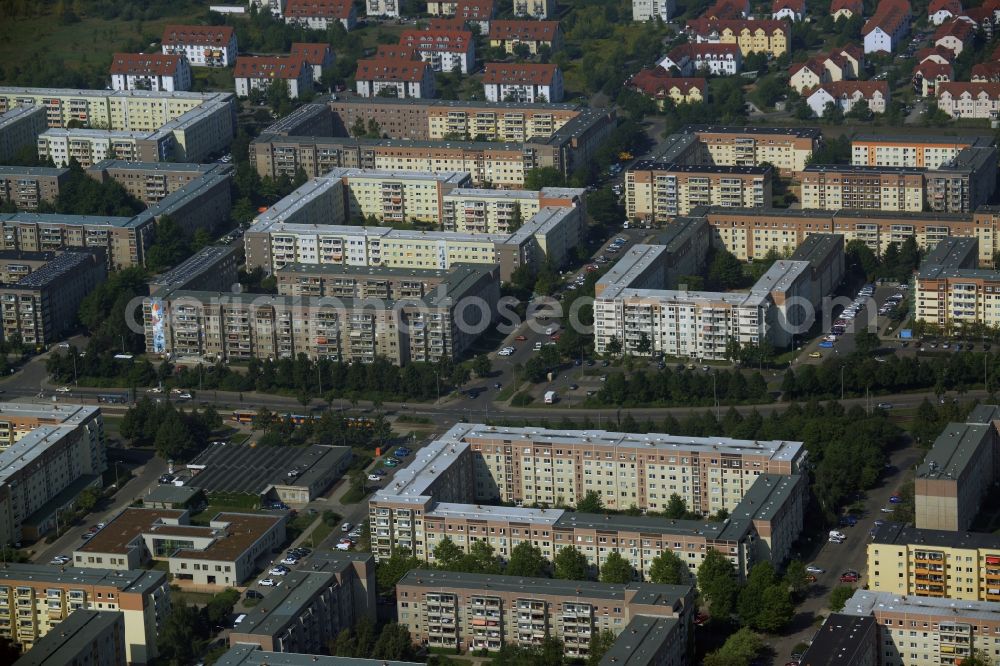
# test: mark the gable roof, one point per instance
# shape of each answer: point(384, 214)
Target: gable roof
point(704, 50)
point(936, 50)
point(658, 82)
point(395, 52)
point(814, 65)
point(974, 88)
point(446, 23)
point(727, 9)
point(391, 70)
point(932, 70)
point(268, 67)
point(853, 6)
point(952, 6)
point(437, 40)
point(525, 31)
point(957, 28)
point(888, 16)
point(519, 73)
point(145, 64)
point(338, 9)
point(987, 70)
point(314, 54)
point(475, 10)
point(797, 6)
point(849, 88)
point(214, 35)
point(706, 26)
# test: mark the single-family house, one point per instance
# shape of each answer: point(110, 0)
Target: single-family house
point(939, 11)
point(660, 85)
point(792, 10)
point(846, 9)
point(929, 74)
point(954, 35)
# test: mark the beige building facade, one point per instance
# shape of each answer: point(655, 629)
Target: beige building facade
point(659, 191)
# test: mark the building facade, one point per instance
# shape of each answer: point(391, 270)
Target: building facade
point(19, 129)
point(26, 187)
point(85, 638)
point(201, 45)
point(659, 191)
point(839, 186)
point(156, 72)
point(258, 73)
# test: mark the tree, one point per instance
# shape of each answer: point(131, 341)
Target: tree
point(616, 569)
point(394, 643)
point(839, 596)
point(738, 650)
point(676, 507)
point(614, 346)
point(866, 342)
point(571, 564)
point(447, 555)
point(220, 607)
point(87, 499)
point(179, 638)
point(540, 177)
point(751, 597)
point(668, 569)
point(481, 559)
point(717, 582)
point(599, 646)
point(516, 219)
point(591, 503)
point(776, 608)
point(526, 560)
point(725, 271)
point(482, 366)
point(390, 571)
point(795, 577)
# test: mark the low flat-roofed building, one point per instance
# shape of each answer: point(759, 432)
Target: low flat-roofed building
point(243, 654)
point(20, 127)
point(50, 454)
point(333, 591)
point(934, 563)
point(844, 640)
point(44, 304)
point(26, 187)
point(224, 553)
point(85, 638)
point(915, 630)
point(169, 496)
point(446, 609)
point(296, 476)
point(212, 268)
point(54, 594)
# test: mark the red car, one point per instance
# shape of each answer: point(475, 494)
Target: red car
point(811, 578)
point(849, 578)
point(520, 338)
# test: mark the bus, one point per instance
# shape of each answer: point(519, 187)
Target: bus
point(244, 415)
point(248, 416)
point(113, 398)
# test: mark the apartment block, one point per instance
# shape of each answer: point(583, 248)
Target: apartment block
point(319, 57)
point(382, 8)
point(533, 34)
point(659, 191)
point(321, 14)
point(244, 654)
point(483, 211)
point(85, 638)
point(16, 265)
point(649, 10)
point(124, 239)
point(258, 73)
point(150, 182)
point(788, 149)
point(41, 598)
point(225, 553)
point(825, 254)
point(839, 186)
point(963, 183)
point(958, 472)
point(311, 119)
point(921, 150)
point(431, 498)
point(951, 292)
point(768, 36)
point(300, 230)
point(472, 612)
point(201, 45)
point(751, 233)
point(440, 325)
point(52, 452)
point(19, 128)
point(443, 50)
point(916, 630)
point(336, 591)
point(43, 305)
point(26, 187)
point(156, 72)
point(962, 99)
point(212, 268)
point(934, 563)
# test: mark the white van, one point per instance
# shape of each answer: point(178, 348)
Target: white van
point(239, 618)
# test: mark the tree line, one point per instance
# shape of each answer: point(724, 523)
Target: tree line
point(176, 435)
point(671, 386)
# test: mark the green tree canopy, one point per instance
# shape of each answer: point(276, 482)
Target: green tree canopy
point(527, 560)
point(571, 564)
point(616, 569)
point(668, 569)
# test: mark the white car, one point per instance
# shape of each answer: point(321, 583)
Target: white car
point(176, 390)
point(278, 571)
point(290, 561)
point(374, 477)
point(355, 533)
point(813, 569)
point(550, 330)
point(155, 389)
point(538, 346)
point(63, 389)
point(343, 546)
point(60, 560)
point(267, 582)
point(184, 396)
point(346, 527)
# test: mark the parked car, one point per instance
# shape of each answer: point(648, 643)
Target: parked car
point(374, 477)
point(815, 569)
point(278, 570)
point(895, 499)
point(266, 582)
point(60, 560)
point(347, 527)
point(849, 578)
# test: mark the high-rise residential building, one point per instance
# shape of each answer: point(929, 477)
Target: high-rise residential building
point(649, 10)
point(839, 186)
point(659, 191)
point(951, 292)
point(36, 599)
point(26, 187)
point(934, 563)
point(19, 128)
point(471, 612)
point(909, 150)
point(50, 454)
point(85, 638)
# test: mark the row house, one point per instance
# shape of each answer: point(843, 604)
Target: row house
point(317, 56)
point(928, 75)
point(443, 50)
point(792, 10)
point(659, 85)
point(764, 36)
point(156, 72)
point(955, 35)
point(961, 99)
point(259, 72)
point(522, 82)
point(846, 94)
point(202, 45)
point(321, 14)
point(534, 34)
point(986, 72)
point(392, 73)
point(840, 65)
point(720, 59)
point(846, 9)
point(890, 23)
